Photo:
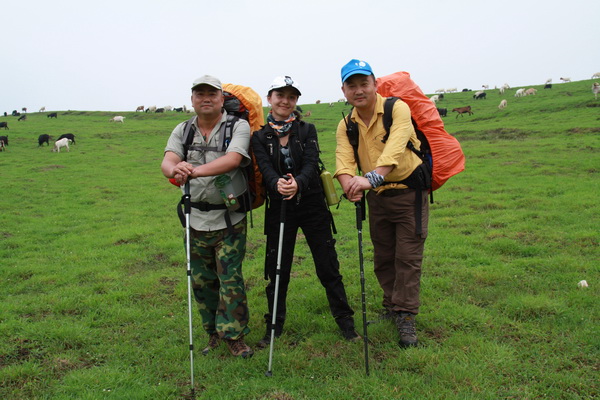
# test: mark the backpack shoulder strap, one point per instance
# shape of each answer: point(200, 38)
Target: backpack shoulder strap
point(227, 131)
point(352, 132)
point(188, 136)
point(388, 119)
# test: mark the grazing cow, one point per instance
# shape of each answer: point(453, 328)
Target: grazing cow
point(530, 91)
point(68, 136)
point(442, 111)
point(318, 102)
point(451, 90)
point(479, 96)
point(52, 115)
point(435, 98)
point(15, 113)
point(440, 91)
point(178, 109)
point(4, 125)
point(22, 118)
point(117, 118)
point(548, 86)
point(59, 144)
point(331, 104)
point(308, 114)
point(565, 79)
point(463, 110)
point(485, 87)
point(139, 108)
point(24, 109)
point(159, 110)
point(44, 139)
point(2, 148)
point(501, 90)
point(520, 93)
point(596, 89)
point(43, 109)
point(4, 139)
point(151, 109)
point(342, 100)
point(466, 90)
point(168, 108)
point(502, 105)
point(596, 75)
point(549, 80)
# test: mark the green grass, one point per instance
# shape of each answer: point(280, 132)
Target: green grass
point(94, 292)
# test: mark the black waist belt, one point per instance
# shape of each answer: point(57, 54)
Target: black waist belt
point(393, 192)
point(203, 206)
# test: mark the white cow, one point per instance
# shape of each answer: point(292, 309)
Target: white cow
point(118, 118)
point(64, 142)
point(502, 105)
point(434, 98)
point(530, 91)
point(596, 75)
point(42, 109)
point(565, 79)
point(596, 89)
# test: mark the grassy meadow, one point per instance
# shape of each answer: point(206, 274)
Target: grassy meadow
point(94, 292)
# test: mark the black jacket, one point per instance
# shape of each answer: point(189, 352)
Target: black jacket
point(304, 151)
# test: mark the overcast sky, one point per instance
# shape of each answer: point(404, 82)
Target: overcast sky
point(115, 55)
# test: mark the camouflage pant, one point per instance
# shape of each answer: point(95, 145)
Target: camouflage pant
point(217, 280)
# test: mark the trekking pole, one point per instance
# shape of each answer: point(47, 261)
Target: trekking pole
point(187, 209)
point(277, 273)
point(359, 219)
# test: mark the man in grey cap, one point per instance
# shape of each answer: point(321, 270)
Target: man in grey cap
point(217, 234)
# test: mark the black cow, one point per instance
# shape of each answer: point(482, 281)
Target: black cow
point(442, 111)
point(22, 118)
point(52, 115)
point(44, 139)
point(4, 139)
point(4, 125)
point(15, 113)
point(69, 136)
point(160, 110)
point(548, 86)
point(479, 96)
point(466, 90)
point(178, 109)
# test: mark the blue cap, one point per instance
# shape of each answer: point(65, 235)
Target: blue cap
point(355, 67)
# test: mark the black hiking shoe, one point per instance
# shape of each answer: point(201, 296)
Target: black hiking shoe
point(351, 335)
point(238, 348)
point(405, 322)
point(213, 342)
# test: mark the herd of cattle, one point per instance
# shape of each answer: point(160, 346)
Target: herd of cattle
point(482, 95)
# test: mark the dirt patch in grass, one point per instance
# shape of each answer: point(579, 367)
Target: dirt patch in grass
point(51, 167)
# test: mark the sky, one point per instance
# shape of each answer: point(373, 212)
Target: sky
point(116, 55)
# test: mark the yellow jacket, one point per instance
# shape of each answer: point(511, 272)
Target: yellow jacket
point(372, 152)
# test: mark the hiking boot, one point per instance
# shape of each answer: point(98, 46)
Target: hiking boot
point(266, 340)
point(405, 322)
point(238, 348)
point(213, 342)
point(351, 335)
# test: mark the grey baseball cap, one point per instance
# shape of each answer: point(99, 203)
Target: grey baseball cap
point(207, 80)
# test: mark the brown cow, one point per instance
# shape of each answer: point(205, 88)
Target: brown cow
point(463, 110)
point(140, 108)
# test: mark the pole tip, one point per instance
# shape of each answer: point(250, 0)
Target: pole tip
point(268, 373)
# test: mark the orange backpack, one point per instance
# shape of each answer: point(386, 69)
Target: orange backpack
point(446, 156)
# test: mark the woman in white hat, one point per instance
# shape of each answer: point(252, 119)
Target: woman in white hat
point(286, 150)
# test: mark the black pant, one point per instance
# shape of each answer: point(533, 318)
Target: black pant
point(313, 217)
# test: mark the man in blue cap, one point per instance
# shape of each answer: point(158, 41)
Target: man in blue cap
point(390, 170)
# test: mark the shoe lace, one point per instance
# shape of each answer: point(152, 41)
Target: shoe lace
point(406, 326)
point(238, 346)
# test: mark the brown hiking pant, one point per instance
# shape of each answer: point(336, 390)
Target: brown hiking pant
point(398, 250)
